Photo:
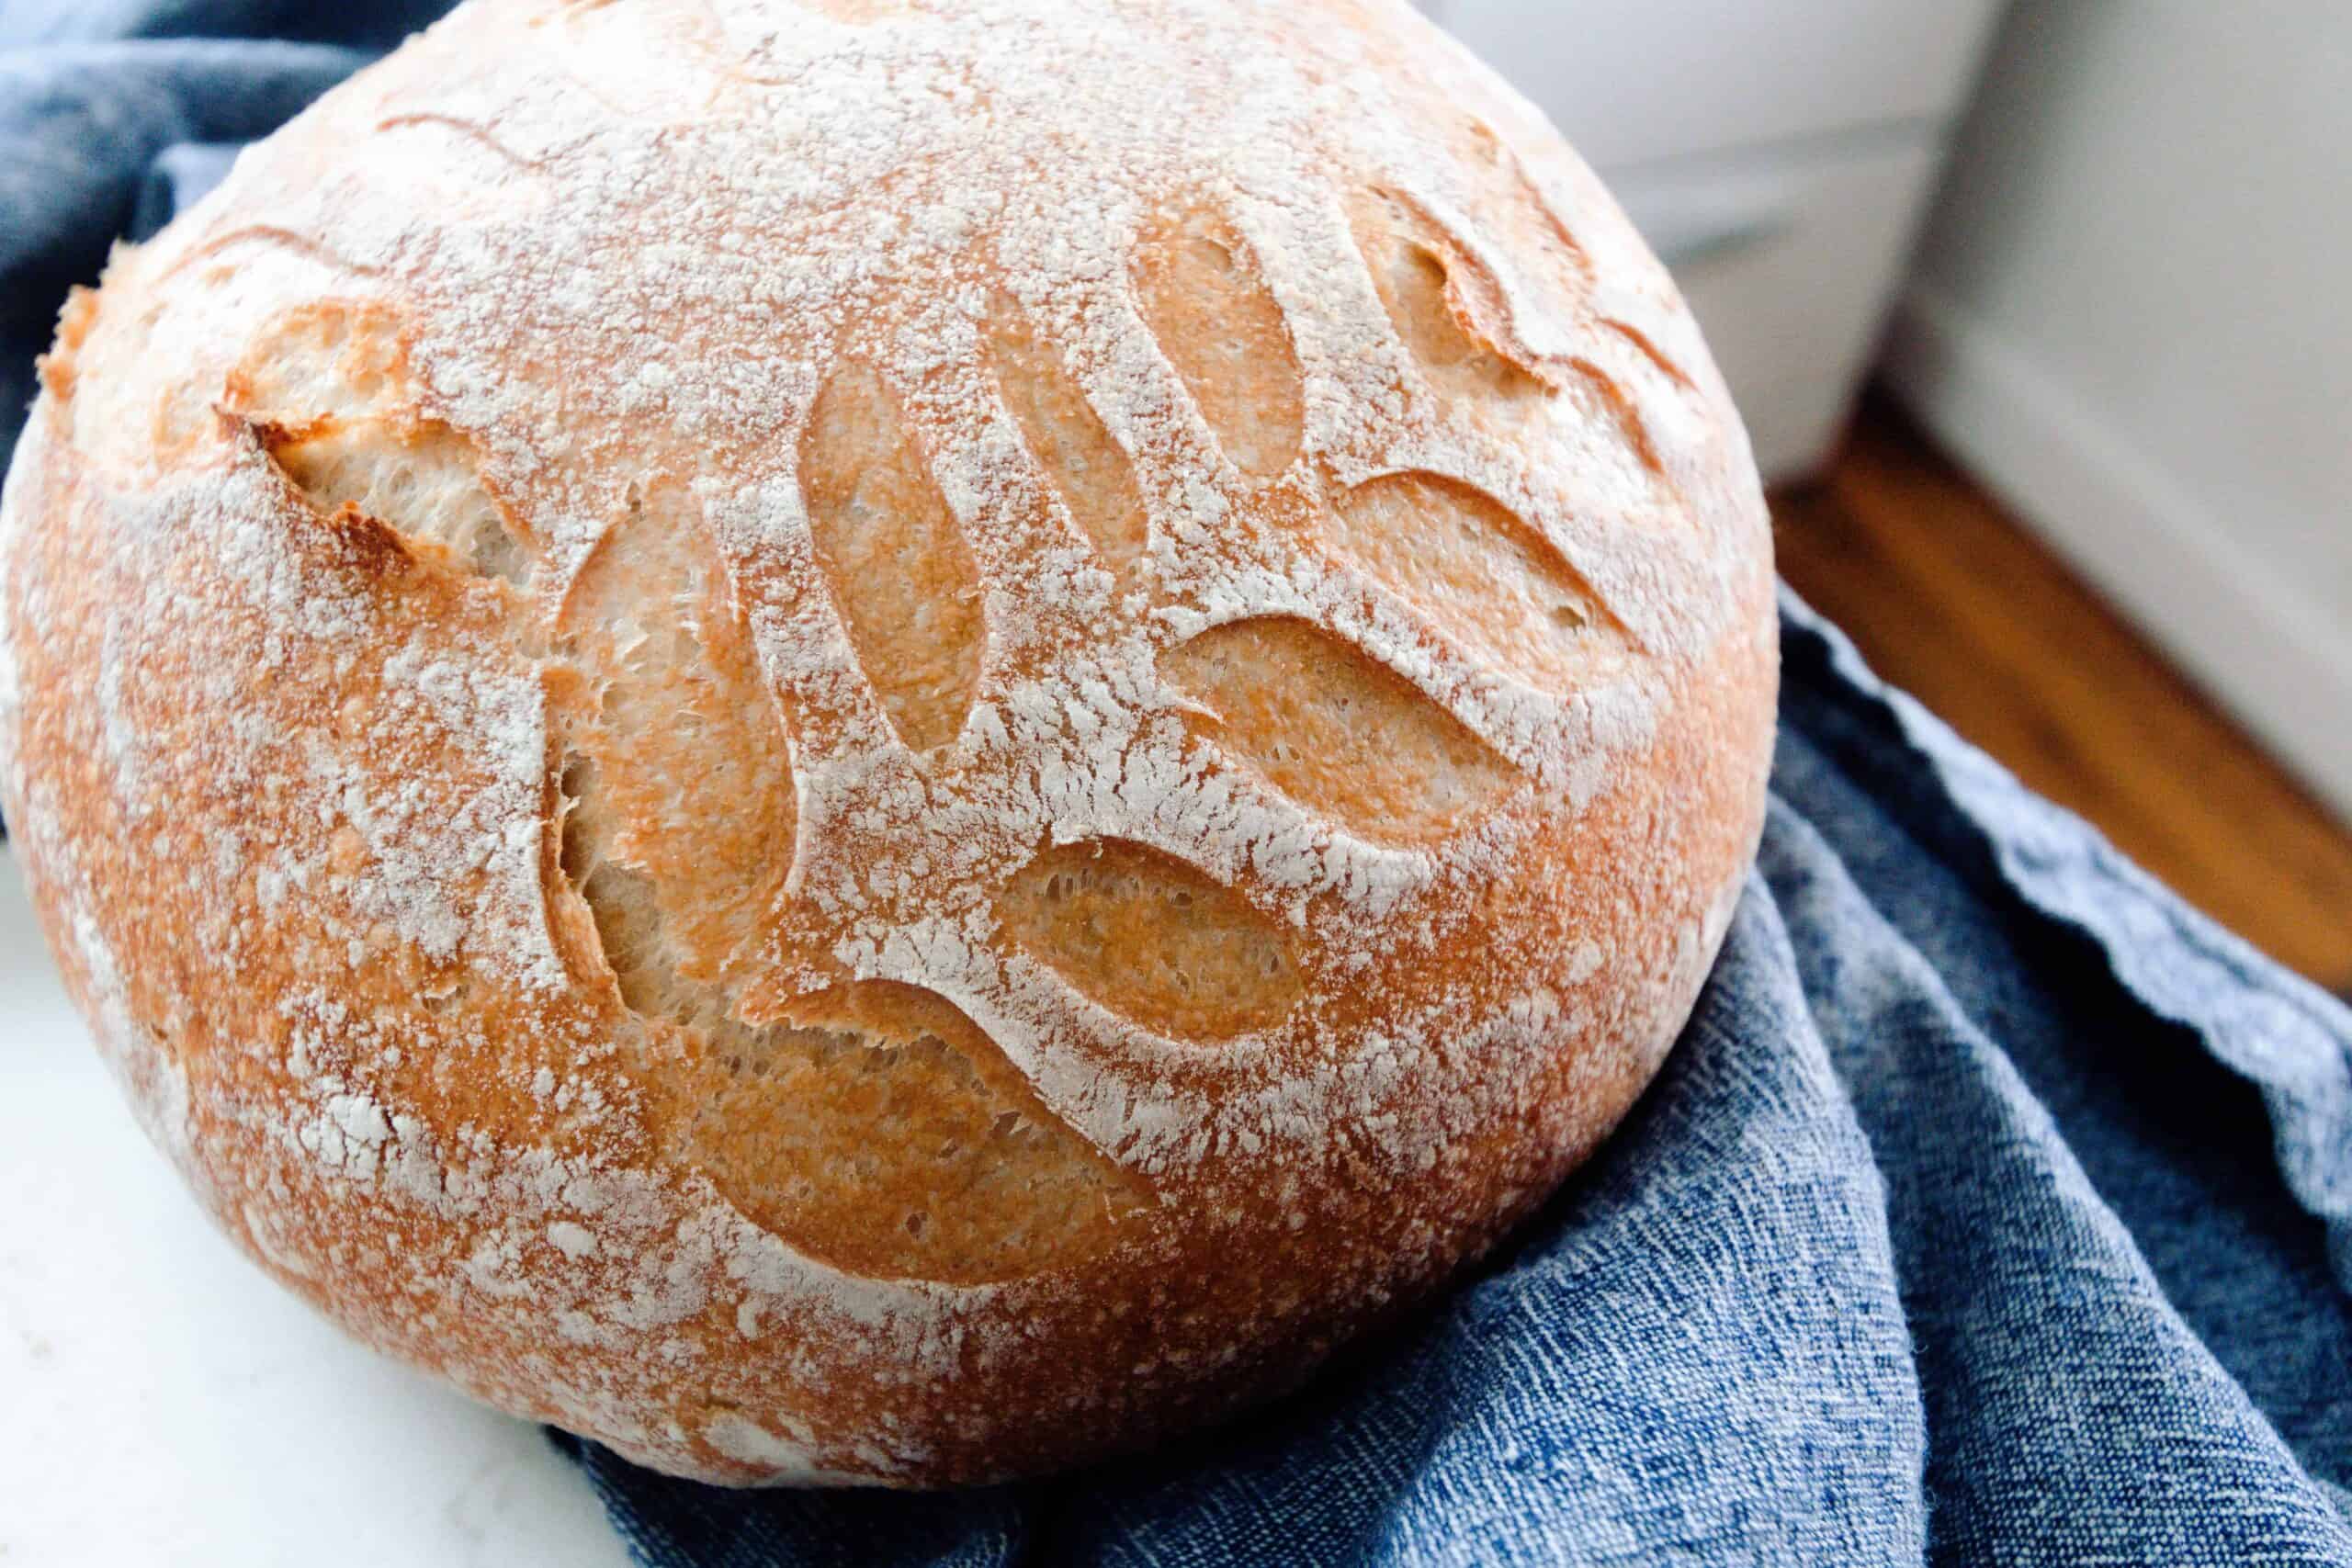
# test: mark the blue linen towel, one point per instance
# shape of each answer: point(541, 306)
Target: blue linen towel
point(1995, 1207)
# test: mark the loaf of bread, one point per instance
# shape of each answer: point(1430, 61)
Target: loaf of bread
point(886, 741)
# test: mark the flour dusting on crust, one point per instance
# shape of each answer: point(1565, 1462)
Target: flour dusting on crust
point(389, 884)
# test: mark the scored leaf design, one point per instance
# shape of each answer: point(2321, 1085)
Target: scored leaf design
point(1479, 575)
point(682, 810)
point(900, 571)
point(879, 1128)
point(1336, 731)
point(1153, 940)
point(1455, 318)
point(875, 1126)
point(1413, 273)
point(1227, 338)
point(1526, 223)
point(1069, 441)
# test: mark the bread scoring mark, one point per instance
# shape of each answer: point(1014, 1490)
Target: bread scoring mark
point(1153, 940)
point(881, 1099)
point(1217, 324)
point(1476, 301)
point(900, 571)
point(1413, 275)
point(1336, 731)
point(677, 823)
point(1482, 577)
point(647, 65)
point(362, 544)
point(1537, 237)
point(272, 236)
point(631, 936)
point(691, 771)
point(1606, 406)
point(868, 1098)
point(328, 392)
point(425, 482)
point(1454, 317)
point(470, 130)
point(1498, 231)
point(1531, 223)
point(1067, 439)
point(1649, 351)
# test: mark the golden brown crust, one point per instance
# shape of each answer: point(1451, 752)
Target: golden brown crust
point(866, 741)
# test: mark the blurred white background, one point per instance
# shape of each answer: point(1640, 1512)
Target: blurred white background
point(2131, 314)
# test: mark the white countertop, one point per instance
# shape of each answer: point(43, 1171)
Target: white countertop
point(162, 1402)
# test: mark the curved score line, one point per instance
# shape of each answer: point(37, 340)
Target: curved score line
point(270, 234)
point(1654, 355)
point(467, 129)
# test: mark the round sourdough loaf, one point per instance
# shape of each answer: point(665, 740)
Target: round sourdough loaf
point(879, 741)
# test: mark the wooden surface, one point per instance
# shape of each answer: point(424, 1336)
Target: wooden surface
point(1946, 595)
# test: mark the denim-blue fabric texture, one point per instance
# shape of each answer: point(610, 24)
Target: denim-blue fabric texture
point(1994, 1207)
